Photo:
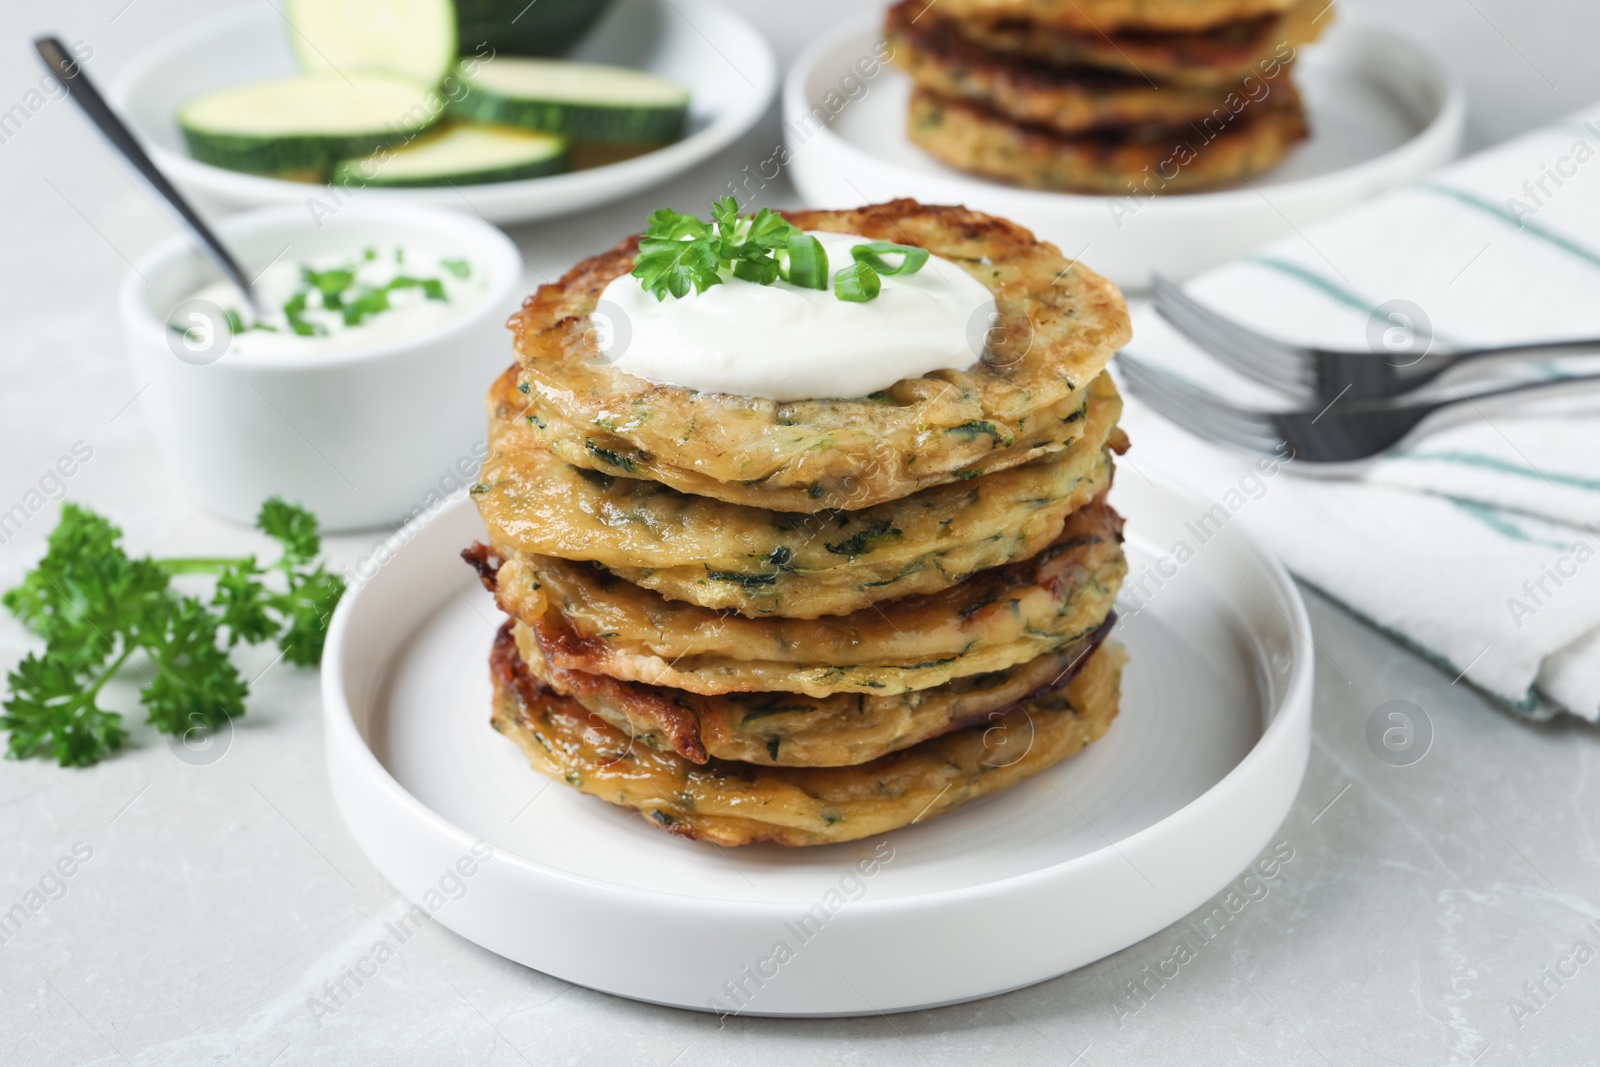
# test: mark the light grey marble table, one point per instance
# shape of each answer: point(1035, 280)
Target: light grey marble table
point(1421, 904)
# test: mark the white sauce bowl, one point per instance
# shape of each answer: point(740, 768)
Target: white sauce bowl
point(362, 438)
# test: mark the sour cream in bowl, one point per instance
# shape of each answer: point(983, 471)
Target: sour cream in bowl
point(356, 390)
point(379, 295)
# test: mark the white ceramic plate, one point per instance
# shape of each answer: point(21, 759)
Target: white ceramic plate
point(726, 63)
point(1383, 111)
point(1085, 859)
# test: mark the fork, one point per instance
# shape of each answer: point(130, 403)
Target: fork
point(1341, 432)
point(1318, 375)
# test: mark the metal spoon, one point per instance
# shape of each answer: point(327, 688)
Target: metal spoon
point(72, 77)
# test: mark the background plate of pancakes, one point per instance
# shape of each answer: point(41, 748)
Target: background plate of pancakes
point(1077, 862)
point(1137, 148)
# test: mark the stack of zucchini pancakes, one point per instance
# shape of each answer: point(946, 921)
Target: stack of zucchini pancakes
point(1116, 97)
point(814, 621)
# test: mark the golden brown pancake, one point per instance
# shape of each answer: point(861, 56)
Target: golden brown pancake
point(761, 562)
point(972, 138)
point(1067, 100)
point(1105, 16)
point(795, 730)
point(1225, 55)
point(1059, 324)
point(594, 622)
point(738, 804)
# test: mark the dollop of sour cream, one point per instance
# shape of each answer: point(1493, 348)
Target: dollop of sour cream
point(787, 343)
point(420, 289)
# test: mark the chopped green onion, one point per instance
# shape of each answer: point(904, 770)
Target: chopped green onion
point(294, 310)
point(912, 257)
point(367, 304)
point(808, 262)
point(330, 283)
point(432, 288)
point(857, 283)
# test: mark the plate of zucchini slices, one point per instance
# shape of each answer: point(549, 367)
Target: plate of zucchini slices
point(464, 104)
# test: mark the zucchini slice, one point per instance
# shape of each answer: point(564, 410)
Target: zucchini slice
point(585, 101)
point(300, 127)
point(414, 37)
point(460, 155)
point(547, 28)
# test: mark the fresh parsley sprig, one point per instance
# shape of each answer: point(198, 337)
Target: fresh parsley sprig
point(96, 608)
point(679, 253)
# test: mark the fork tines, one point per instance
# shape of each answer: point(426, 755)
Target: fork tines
point(1198, 411)
point(1287, 367)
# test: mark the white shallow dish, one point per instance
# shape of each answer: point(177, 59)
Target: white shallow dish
point(1085, 859)
point(1383, 110)
point(730, 71)
point(363, 438)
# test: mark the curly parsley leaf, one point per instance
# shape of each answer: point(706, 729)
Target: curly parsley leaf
point(298, 615)
point(305, 610)
point(760, 271)
point(95, 608)
point(669, 225)
point(241, 599)
point(768, 229)
point(725, 218)
point(293, 527)
point(194, 683)
point(50, 710)
point(673, 265)
point(86, 592)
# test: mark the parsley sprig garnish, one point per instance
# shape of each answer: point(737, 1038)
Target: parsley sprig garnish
point(97, 608)
point(679, 253)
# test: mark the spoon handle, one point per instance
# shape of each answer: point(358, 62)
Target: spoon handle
point(78, 86)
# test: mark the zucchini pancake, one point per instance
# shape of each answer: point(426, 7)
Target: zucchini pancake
point(1099, 16)
point(753, 612)
point(1018, 397)
point(975, 139)
point(1155, 96)
point(1220, 55)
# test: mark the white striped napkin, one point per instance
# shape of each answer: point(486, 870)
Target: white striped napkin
point(1479, 546)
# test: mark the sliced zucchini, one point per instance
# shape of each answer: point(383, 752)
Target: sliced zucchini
point(585, 101)
point(300, 127)
point(460, 155)
point(515, 27)
point(414, 37)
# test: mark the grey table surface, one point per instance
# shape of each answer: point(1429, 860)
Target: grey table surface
point(1420, 904)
